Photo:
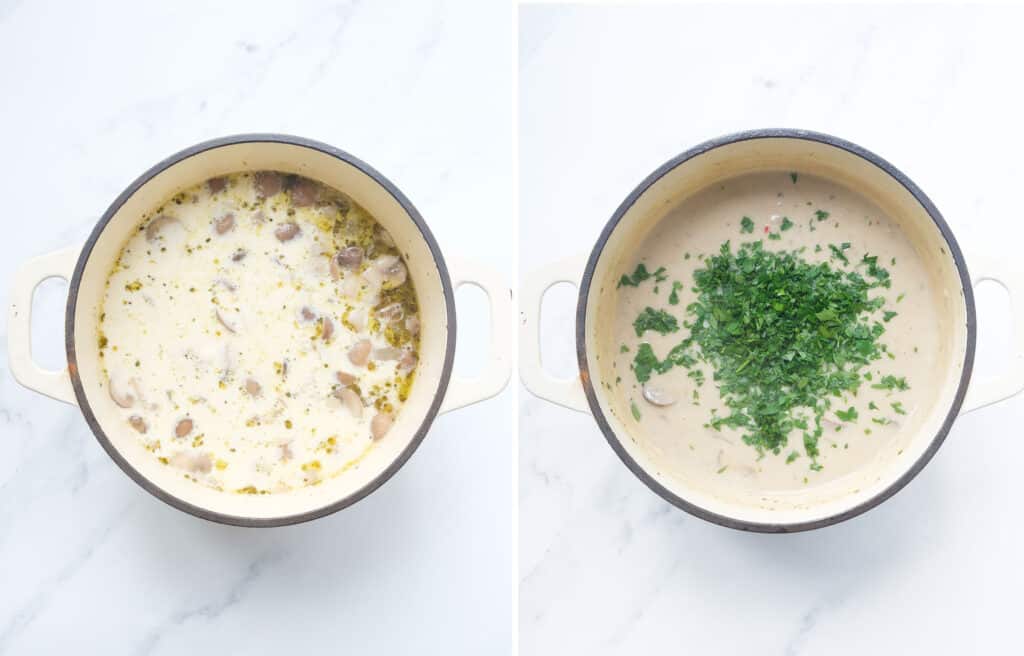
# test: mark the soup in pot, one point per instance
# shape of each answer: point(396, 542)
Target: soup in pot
point(259, 332)
point(774, 332)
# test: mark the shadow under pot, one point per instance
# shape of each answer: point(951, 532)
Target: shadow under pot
point(320, 252)
point(775, 331)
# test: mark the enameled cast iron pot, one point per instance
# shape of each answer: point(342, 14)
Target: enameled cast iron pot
point(706, 164)
point(434, 391)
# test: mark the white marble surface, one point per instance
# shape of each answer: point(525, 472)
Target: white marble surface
point(606, 95)
point(94, 93)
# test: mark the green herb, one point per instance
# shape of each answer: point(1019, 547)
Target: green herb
point(838, 254)
point(897, 407)
point(639, 275)
point(782, 334)
point(876, 271)
point(888, 315)
point(697, 375)
point(821, 214)
point(786, 224)
point(892, 383)
point(635, 410)
point(872, 406)
point(774, 236)
point(792, 176)
point(657, 320)
point(847, 415)
point(623, 349)
point(722, 469)
point(881, 421)
point(673, 297)
point(793, 455)
point(747, 225)
point(900, 297)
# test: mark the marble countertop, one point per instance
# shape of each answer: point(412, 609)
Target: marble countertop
point(607, 95)
point(95, 93)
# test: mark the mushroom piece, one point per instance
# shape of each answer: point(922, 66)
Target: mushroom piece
point(657, 396)
point(412, 324)
point(306, 313)
point(252, 388)
point(392, 312)
point(157, 225)
point(123, 399)
point(344, 378)
point(239, 255)
point(138, 423)
point(230, 326)
point(268, 183)
point(224, 223)
point(216, 185)
point(328, 329)
point(347, 258)
point(183, 428)
point(392, 269)
point(408, 362)
point(286, 231)
point(387, 353)
point(352, 402)
point(380, 424)
point(359, 354)
point(304, 192)
point(286, 452)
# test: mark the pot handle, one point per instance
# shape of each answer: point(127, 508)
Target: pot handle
point(567, 392)
point(986, 391)
point(467, 391)
point(55, 384)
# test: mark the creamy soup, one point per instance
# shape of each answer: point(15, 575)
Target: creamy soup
point(259, 333)
point(670, 371)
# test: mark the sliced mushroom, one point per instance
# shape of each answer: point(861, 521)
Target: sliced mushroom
point(138, 423)
point(347, 258)
point(380, 425)
point(408, 362)
point(286, 452)
point(392, 312)
point(304, 192)
point(224, 223)
point(229, 325)
point(345, 378)
point(358, 319)
point(394, 272)
point(351, 286)
point(352, 402)
point(359, 354)
point(183, 427)
point(657, 396)
point(306, 313)
point(252, 388)
point(158, 224)
point(268, 183)
point(412, 324)
point(286, 231)
point(217, 185)
point(387, 353)
point(123, 399)
point(384, 237)
point(328, 329)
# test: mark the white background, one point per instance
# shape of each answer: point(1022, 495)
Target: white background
point(95, 93)
point(607, 95)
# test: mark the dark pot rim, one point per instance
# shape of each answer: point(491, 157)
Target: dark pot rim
point(149, 485)
point(581, 345)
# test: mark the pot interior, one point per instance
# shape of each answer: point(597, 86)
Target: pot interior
point(663, 463)
point(425, 267)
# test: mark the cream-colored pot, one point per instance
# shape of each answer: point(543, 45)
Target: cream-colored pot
point(434, 391)
point(615, 251)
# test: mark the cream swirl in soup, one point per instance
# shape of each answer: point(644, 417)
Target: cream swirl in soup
point(774, 332)
point(259, 332)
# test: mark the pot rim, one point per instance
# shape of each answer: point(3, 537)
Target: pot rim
point(199, 511)
point(581, 344)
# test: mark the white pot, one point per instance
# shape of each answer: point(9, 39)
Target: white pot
point(86, 269)
point(706, 164)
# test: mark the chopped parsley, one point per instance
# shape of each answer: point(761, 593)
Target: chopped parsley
point(747, 225)
point(657, 320)
point(847, 415)
point(821, 214)
point(837, 252)
point(641, 274)
point(673, 296)
point(635, 410)
point(892, 383)
point(792, 176)
point(786, 224)
point(897, 407)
